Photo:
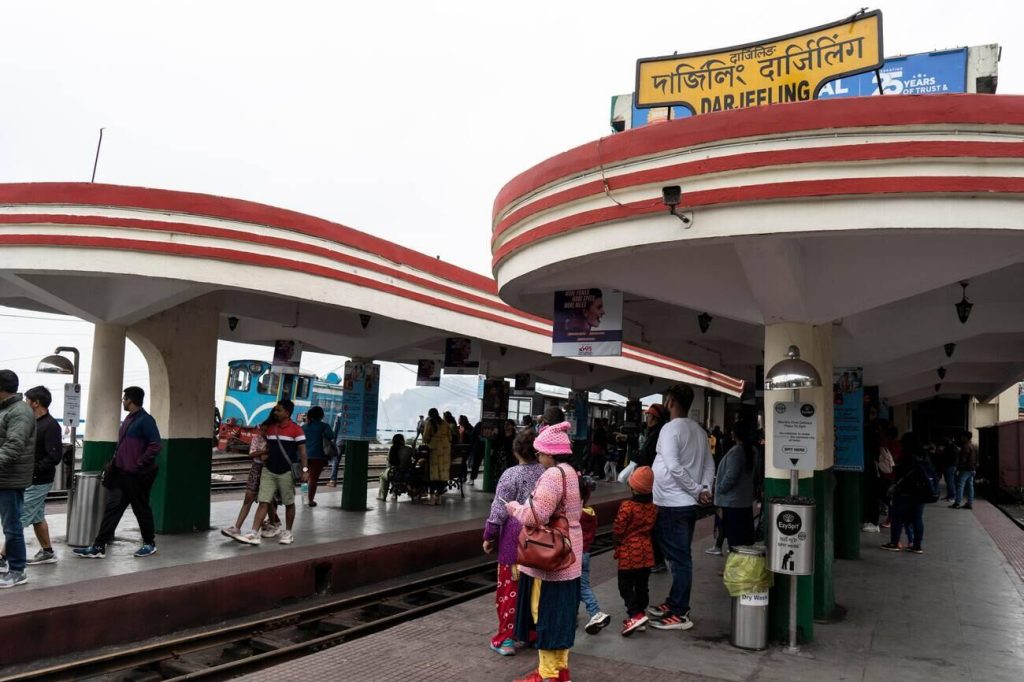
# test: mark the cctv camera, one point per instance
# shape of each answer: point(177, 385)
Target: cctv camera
point(232, 322)
point(671, 195)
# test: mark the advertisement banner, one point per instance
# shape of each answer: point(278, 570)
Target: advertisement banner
point(848, 412)
point(576, 413)
point(587, 322)
point(461, 356)
point(495, 401)
point(361, 386)
point(789, 68)
point(287, 354)
point(929, 73)
point(428, 373)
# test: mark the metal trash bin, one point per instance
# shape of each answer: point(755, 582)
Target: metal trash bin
point(85, 508)
point(750, 611)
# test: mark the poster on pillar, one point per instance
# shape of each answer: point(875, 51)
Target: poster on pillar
point(287, 354)
point(794, 436)
point(576, 413)
point(848, 412)
point(359, 400)
point(428, 373)
point(461, 356)
point(587, 323)
point(495, 402)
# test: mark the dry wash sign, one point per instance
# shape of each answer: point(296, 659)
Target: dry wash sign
point(790, 68)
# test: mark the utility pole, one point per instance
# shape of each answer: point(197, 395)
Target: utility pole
point(96, 161)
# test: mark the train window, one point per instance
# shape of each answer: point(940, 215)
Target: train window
point(239, 379)
point(269, 383)
point(302, 386)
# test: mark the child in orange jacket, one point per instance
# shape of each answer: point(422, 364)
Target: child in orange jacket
point(631, 534)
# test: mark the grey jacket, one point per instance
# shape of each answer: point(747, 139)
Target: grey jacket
point(734, 485)
point(17, 443)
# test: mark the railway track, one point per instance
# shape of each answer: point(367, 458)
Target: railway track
point(262, 642)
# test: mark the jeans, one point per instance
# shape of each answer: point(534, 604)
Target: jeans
point(129, 489)
point(907, 513)
point(334, 468)
point(965, 481)
point(586, 592)
point(10, 513)
point(950, 482)
point(674, 529)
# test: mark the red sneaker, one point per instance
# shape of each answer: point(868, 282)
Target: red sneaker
point(535, 677)
point(563, 675)
point(631, 625)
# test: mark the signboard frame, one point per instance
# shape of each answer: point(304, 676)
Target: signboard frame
point(800, 436)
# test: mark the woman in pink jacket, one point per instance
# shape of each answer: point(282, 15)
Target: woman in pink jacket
point(548, 600)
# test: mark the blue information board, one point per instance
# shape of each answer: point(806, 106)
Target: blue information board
point(930, 73)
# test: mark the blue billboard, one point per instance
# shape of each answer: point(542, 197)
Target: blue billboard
point(930, 73)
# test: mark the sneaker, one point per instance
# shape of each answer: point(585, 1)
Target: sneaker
point(271, 530)
point(870, 528)
point(673, 622)
point(3, 564)
point(885, 524)
point(715, 551)
point(250, 538)
point(954, 506)
point(632, 624)
point(13, 579)
point(916, 550)
point(890, 547)
point(563, 675)
point(286, 538)
point(658, 611)
point(507, 648)
point(231, 532)
point(145, 551)
point(659, 568)
point(43, 556)
point(968, 506)
point(91, 552)
point(597, 623)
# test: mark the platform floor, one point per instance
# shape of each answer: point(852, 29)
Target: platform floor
point(955, 613)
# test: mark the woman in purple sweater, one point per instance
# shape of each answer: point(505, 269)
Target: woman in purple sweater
point(515, 483)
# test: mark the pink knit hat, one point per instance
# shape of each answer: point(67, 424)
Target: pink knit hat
point(554, 440)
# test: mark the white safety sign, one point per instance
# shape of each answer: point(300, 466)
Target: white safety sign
point(72, 405)
point(795, 436)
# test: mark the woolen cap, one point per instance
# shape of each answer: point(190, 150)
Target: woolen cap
point(554, 440)
point(642, 480)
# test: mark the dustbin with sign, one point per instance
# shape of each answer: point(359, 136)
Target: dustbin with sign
point(747, 579)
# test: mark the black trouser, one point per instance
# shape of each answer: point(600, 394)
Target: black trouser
point(128, 489)
point(738, 526)
point(633, 589)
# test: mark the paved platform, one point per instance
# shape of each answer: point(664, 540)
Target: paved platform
point(200, 578)
point(954, 613)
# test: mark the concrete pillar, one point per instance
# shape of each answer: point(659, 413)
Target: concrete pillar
point(816, 596)
point(1008, 405)
point(180, 346)
point(104, 412)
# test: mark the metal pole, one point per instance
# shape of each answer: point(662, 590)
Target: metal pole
point(95, 163)
point(794, 491)
point(69, 472)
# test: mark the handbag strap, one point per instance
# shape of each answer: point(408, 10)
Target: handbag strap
point(536, 521)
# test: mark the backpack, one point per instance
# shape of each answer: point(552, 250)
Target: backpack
point(927, 484)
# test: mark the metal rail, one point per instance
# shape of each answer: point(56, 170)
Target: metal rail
point(262, 642)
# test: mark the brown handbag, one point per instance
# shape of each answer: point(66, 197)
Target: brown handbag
point(546, 547)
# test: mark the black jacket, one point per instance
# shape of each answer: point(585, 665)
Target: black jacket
point(49, 449)
point(645, 457)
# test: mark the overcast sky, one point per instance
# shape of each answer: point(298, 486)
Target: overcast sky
point(402, 119)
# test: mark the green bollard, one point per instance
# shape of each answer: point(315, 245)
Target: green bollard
point(357, 465)
point(489, 482)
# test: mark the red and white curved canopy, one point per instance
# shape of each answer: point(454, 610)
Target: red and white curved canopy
point(120, 254)
point(862, 213)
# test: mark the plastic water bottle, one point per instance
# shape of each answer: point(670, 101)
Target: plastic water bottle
point(305, 493)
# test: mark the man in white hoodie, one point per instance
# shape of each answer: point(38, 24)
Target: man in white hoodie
point(683, 473)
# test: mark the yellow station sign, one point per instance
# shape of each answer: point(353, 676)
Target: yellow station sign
point(790, 68)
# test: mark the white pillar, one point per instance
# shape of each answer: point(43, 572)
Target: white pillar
point(103, 415)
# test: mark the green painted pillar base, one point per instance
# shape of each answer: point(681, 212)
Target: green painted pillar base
point(181, 492)
point(848, 513)
point(96, 454)
point(489, 483)
point(357, 466)
point(778, 598)
point(824, 545)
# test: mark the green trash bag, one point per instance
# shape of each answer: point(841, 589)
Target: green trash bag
point(746, 574)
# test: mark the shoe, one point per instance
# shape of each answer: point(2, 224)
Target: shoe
point(597, 623)
point(13, 579)
point(642, 628)
point(286, 538)
point(658, 611)
point(331, 484)
point(534, 676)
point(968, 506)
point(250, 538)
point(313, 504)
point(673, 622)
point(715, 551)
point(659, 568)
point(885, 524)
point(472, 482)
point(145, 551)
point(563, 675)
point(632, 624)
point(890, 547)
point(91, 552)
point(954, 506)
point(231, 532)
point(869, 528)
point(3, 564)
point(271, 530)
point(43, 556)
point(507, 648)
point(916, 550)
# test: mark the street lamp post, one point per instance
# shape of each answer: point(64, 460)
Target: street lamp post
point(58, 364)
